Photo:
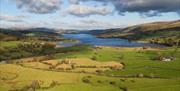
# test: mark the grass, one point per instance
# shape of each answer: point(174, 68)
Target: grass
point(27, 75)
point(74, 81)
point(141, 63)
point(9, 43)
point(73, 65)
point(37, 65)
point(82, 87)
point(133, 84)
point(117, 84)
point(136, 60)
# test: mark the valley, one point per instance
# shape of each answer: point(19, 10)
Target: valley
point(40, 61)
point(89, 45)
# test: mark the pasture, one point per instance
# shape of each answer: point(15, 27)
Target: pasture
point(140, 72)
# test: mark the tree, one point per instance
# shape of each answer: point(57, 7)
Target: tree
point(35, 84)
point(86, 81)
point(94, 58)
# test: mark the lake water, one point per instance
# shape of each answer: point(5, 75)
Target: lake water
point(94, 41)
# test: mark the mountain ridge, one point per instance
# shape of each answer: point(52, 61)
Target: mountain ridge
point(167, 33)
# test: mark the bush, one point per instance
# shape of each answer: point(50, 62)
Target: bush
point(123, 80)
point(99, 71)
point(25, 88)
point(86, 81)
point(89, 76)
point(35, 84)
point(78, 48)
point(124, 88)
point(98, 81)
point(30, 89)
point(94, 58)
point(133, 81)
point(54, 83)
point(112, 82)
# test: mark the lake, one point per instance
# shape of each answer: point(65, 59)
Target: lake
point(94, 41)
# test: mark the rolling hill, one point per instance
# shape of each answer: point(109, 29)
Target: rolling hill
point(167, 33)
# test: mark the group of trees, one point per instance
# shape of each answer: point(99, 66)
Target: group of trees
point(36, 48)
point(166, 41)
point(4, 37)
point(26, 50)
point(34, 43)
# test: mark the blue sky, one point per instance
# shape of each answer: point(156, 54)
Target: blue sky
point(82, 14)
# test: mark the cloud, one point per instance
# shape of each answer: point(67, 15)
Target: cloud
point(90, 22)
point(146, 7)
point(39, 6)
point(82, 11)
point(11, 18)
point(94, 24)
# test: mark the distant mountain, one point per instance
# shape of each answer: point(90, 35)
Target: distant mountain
point(157, 32)
point(30, 30)
point(94, 32)
point(15, 34)
point(39, 31)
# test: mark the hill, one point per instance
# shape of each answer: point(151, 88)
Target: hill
point(16, 44)
point(167, 33)
point(39, 33)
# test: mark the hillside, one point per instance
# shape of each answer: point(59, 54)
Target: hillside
point(87, 68)
point(35, 33)
point(16, 44)
point(167, 33)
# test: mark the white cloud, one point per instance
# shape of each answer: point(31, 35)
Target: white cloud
point(81, 10)
point(39, 6)
point(10, 18)
point(94, 24)
point(145, 7)
point(84, 24)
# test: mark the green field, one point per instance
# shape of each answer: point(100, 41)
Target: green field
point(136, 62)
point(9, 43)
point(140, 73)
point(15, 77)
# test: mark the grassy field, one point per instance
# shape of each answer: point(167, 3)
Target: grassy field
point(141, 72)
point(15, 77)
point(9, 43)
point(136, 60)
point(25, 76)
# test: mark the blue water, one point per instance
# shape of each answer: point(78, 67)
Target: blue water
point(94, 41)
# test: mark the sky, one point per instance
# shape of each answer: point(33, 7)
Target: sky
point(85, 14)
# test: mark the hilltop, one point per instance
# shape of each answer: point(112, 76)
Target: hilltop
point(167, 33)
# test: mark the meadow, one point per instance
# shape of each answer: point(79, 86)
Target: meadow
point(136, 60)
point(140, 72)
